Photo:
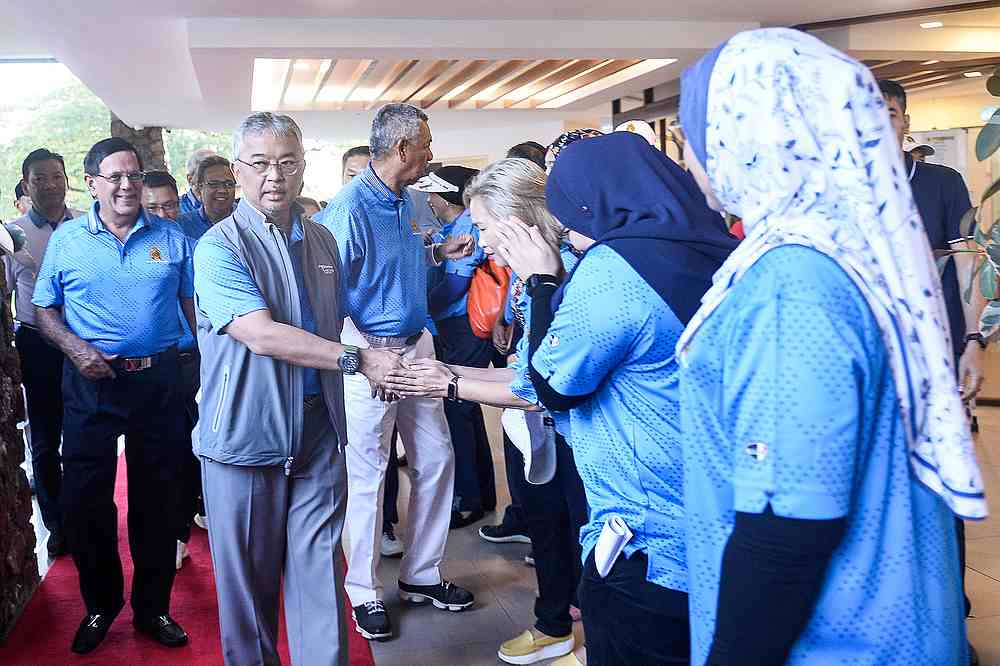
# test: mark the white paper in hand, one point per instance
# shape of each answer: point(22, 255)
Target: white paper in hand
point(609, 546)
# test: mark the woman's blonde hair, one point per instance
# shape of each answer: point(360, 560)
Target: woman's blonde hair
point(515, 186)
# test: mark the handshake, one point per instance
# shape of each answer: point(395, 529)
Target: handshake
point(393, 378)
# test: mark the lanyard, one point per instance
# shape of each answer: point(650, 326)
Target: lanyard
point(913, 170)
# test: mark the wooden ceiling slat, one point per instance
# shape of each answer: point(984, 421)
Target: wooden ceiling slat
point(566, 87)
point(461, 76)
point(951, 78)
point(490, 79)
point(908, 67)
point(561, 76)
point(533, 73)
point(341, 81)
point(417, 80)
point(391, 81)
point(360, 76)
point(881, 64)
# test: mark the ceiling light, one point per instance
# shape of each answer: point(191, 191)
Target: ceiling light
point(930, 62)
point(972, 75)
point(932, 24)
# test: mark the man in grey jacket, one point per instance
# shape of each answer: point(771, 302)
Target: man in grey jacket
point(272, 430)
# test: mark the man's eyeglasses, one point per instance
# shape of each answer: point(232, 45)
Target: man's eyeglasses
point(286, 167)
point(221, 184)
point(117, 177)
point(168, 207)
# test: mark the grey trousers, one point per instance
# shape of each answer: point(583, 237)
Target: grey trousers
point(263, 527)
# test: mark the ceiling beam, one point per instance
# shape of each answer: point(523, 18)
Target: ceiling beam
point(907, 67)
point(533, 73)
point(461, 76)
point(656, 110)
point(505, 70)
point(391, 80)
point(951, 78)
point(559, 76)
point(566, 87)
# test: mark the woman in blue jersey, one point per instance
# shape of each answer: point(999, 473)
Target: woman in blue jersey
point(602, 353)
point(554, 504)
point(825, 445)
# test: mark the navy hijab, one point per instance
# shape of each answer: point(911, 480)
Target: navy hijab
point(623, 193)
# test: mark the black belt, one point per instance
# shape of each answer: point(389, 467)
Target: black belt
point(140, 363)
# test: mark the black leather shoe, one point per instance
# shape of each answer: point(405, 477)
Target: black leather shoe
point(92, 631)
point(461, 519)
point(163, 630)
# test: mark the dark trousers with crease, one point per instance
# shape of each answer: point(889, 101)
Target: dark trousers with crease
point(148, 408)
point(629, 620)
point(475, 485)
point(41, 373)
point(554, 513)
point(190, 497)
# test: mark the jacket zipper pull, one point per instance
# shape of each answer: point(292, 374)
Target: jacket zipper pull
point(288, 466)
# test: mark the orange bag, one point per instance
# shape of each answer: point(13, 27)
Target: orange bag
point(487, 296)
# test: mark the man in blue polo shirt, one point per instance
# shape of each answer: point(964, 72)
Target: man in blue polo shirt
point(385, 269)
point(216, 189)
point(107, 295)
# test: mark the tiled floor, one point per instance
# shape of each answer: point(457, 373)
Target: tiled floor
point(505, 587)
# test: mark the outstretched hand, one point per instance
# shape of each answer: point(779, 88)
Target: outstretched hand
point(376, 365)
point(420, 378)
point(457, 247)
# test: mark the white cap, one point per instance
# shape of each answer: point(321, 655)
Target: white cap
point(910, 144)
point(640, 127)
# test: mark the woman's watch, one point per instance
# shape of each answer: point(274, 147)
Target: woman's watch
point(978, 337)
point(539, 279)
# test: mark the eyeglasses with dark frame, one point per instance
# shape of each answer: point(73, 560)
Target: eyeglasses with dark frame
point(167, 207)
point(285, 167)
point(219, 184)
point(116, 177)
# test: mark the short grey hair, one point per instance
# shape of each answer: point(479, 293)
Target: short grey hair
point(516, 186)
point(196, 158)
point(394, 123)
point(265, 122)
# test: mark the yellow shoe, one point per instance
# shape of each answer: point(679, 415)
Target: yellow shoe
point(568, 660)
point(526, 649)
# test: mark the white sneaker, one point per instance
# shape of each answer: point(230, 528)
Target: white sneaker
point(182, 552)
point(201, 521)
point(391, 546)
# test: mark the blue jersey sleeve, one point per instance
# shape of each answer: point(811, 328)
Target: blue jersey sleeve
point(793, 395)
point(224, 286)
point(584, 343)
point(48, 284)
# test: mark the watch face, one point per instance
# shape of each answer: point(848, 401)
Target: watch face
point(350, 362)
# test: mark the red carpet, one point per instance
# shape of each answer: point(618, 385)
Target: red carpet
point(45, 630)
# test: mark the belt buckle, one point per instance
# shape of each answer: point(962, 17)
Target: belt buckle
point(135, 364)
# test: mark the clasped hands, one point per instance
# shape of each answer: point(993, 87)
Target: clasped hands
point(393, 377)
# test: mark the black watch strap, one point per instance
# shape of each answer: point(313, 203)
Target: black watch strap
point(978, 337)
point(538, 279)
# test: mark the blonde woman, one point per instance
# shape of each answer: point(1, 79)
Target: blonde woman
point(513, 191)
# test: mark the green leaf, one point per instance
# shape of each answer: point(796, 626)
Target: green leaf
point(990, 191)
point(989, 138)
point(988, 284)
point(989, 321)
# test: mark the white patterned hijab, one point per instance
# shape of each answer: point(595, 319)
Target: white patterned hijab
point(798, 144)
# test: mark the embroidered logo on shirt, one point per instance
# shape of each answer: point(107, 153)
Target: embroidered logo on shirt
point(327, 269)
point(413, 224)
point(155, 255)
point(757, 451)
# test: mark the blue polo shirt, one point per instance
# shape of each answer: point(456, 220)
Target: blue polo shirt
point(194, 224)
point(120, 297)
point(226, 289)
point(626, 437)
point(788, 399)
point(383, 255)
point(464, 267)
point(189, 202)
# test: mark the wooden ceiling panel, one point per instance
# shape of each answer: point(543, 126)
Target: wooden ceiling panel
point(533, 73)
point(435, 92)
point(575, 68)
point(596, 74)
point(503, 71)
point(389, 80)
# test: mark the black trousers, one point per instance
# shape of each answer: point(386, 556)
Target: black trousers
point(41, 373)
point(513, 515)
point(554, 513)
point(390, 512)
point(475, 485)
point(190, 498)
point(148, 408)
point(629, 620)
